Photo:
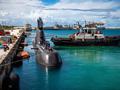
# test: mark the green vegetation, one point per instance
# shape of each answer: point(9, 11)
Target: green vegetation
point(6, 27)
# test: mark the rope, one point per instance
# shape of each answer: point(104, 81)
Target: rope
point(12, 62)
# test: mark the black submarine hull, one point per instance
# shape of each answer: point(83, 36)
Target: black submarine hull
point(47, 58)
point(114, 41)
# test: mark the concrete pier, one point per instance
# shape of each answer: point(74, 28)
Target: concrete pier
point(112, 28)
point(6, 57)
point(12, 47)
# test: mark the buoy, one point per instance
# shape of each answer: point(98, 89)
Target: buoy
point(24, 54)
point(18, 58)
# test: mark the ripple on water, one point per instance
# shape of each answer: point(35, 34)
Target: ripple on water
point(83, 68)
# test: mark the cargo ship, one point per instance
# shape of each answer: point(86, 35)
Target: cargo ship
point(89, 35)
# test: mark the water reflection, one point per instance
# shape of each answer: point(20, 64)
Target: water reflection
point(46, 77)
point(90, 54)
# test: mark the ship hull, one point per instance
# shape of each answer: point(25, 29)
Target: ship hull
point(86, 42)
point(49, 59)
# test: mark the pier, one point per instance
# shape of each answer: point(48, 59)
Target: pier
point(112, 28)
point(6, 57)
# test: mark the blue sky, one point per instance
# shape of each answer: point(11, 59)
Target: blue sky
point(50, 2)
point(19, 12)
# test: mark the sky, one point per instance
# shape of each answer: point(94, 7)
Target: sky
point(19, 12)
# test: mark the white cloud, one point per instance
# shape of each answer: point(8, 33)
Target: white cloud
point(30, 10)
point(90, 10)
point(85, 5)
point(115, 14)
point(19, 9)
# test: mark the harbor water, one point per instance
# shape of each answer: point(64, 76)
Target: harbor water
point(83, 68)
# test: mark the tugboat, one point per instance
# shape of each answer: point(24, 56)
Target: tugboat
point(45, 54)
point(89, 35)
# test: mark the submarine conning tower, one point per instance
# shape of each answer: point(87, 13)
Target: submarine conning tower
point(40, 37)
point(45, 54)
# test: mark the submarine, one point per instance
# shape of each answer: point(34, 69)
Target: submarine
point(45, 54)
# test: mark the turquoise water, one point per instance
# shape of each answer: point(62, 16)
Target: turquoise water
point(83, 68)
